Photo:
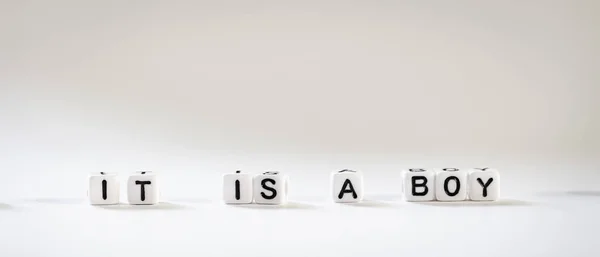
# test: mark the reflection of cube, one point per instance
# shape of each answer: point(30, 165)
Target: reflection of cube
point(451, 185)
point(270, 188)
point(142, 188)
point(484, 184)
point(419, 185)
point(103, 189)
point(237, 188)
point(347, 186)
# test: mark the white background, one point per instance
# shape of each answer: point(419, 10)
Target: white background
point(196, 89)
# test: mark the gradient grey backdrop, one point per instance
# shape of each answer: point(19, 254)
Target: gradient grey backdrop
point(194, 89)
point(431, 77)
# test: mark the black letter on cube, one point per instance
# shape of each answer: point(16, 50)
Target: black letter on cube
point(350, 189)
point(264, 185)
point(105, 194)
point(456, 190)
point(423, 184)
point(143, 191)
point(485, 186)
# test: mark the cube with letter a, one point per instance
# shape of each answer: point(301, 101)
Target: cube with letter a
point(347, 186)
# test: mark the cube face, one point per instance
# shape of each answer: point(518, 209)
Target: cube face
point(347, 186)
point(142, 188)
point(237, 188)
point(270, 188)
point(103, 189)
point(419, 185)
point(451, 184)
point(484, 185)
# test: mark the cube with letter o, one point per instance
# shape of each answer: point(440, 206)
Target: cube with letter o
point(451, 184)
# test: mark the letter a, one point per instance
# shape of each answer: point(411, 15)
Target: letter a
point(350, 189)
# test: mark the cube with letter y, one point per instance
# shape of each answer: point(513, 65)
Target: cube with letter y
point(484, 184)
point(142, 188)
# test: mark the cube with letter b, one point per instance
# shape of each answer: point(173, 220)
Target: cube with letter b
point(347, 186)
point(270, 188)
point(237, 188)
point(484, 184)
point(451, 184)
point(419, 185)
point(103, 188)
point(142, 188)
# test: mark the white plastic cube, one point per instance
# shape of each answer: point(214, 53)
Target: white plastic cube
point(237, 188)
point(484, 184)
point(451, 185)
point(103, 188)
point(270, 188)
point(142, 188)
point(419, 185)
point(347, 186)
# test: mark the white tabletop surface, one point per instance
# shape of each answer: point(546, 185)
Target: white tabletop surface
point(546, 209)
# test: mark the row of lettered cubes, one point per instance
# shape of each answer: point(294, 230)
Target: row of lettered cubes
point(347, 186)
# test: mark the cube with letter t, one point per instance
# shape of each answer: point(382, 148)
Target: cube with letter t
point(347, 186)
point(142, 188)
point(419, 185)
point(270, 188)
point(103, 188)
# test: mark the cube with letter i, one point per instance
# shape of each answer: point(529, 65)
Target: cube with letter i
point(103, 188)
point(451, 184)
point(237, 188)
point(347, 186)
point(419, 185)
point(484, 184)
point(270, 188)
point(142, 188)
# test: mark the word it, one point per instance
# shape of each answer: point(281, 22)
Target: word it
point(142, 188)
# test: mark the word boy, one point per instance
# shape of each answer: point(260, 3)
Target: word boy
point(451, 184)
